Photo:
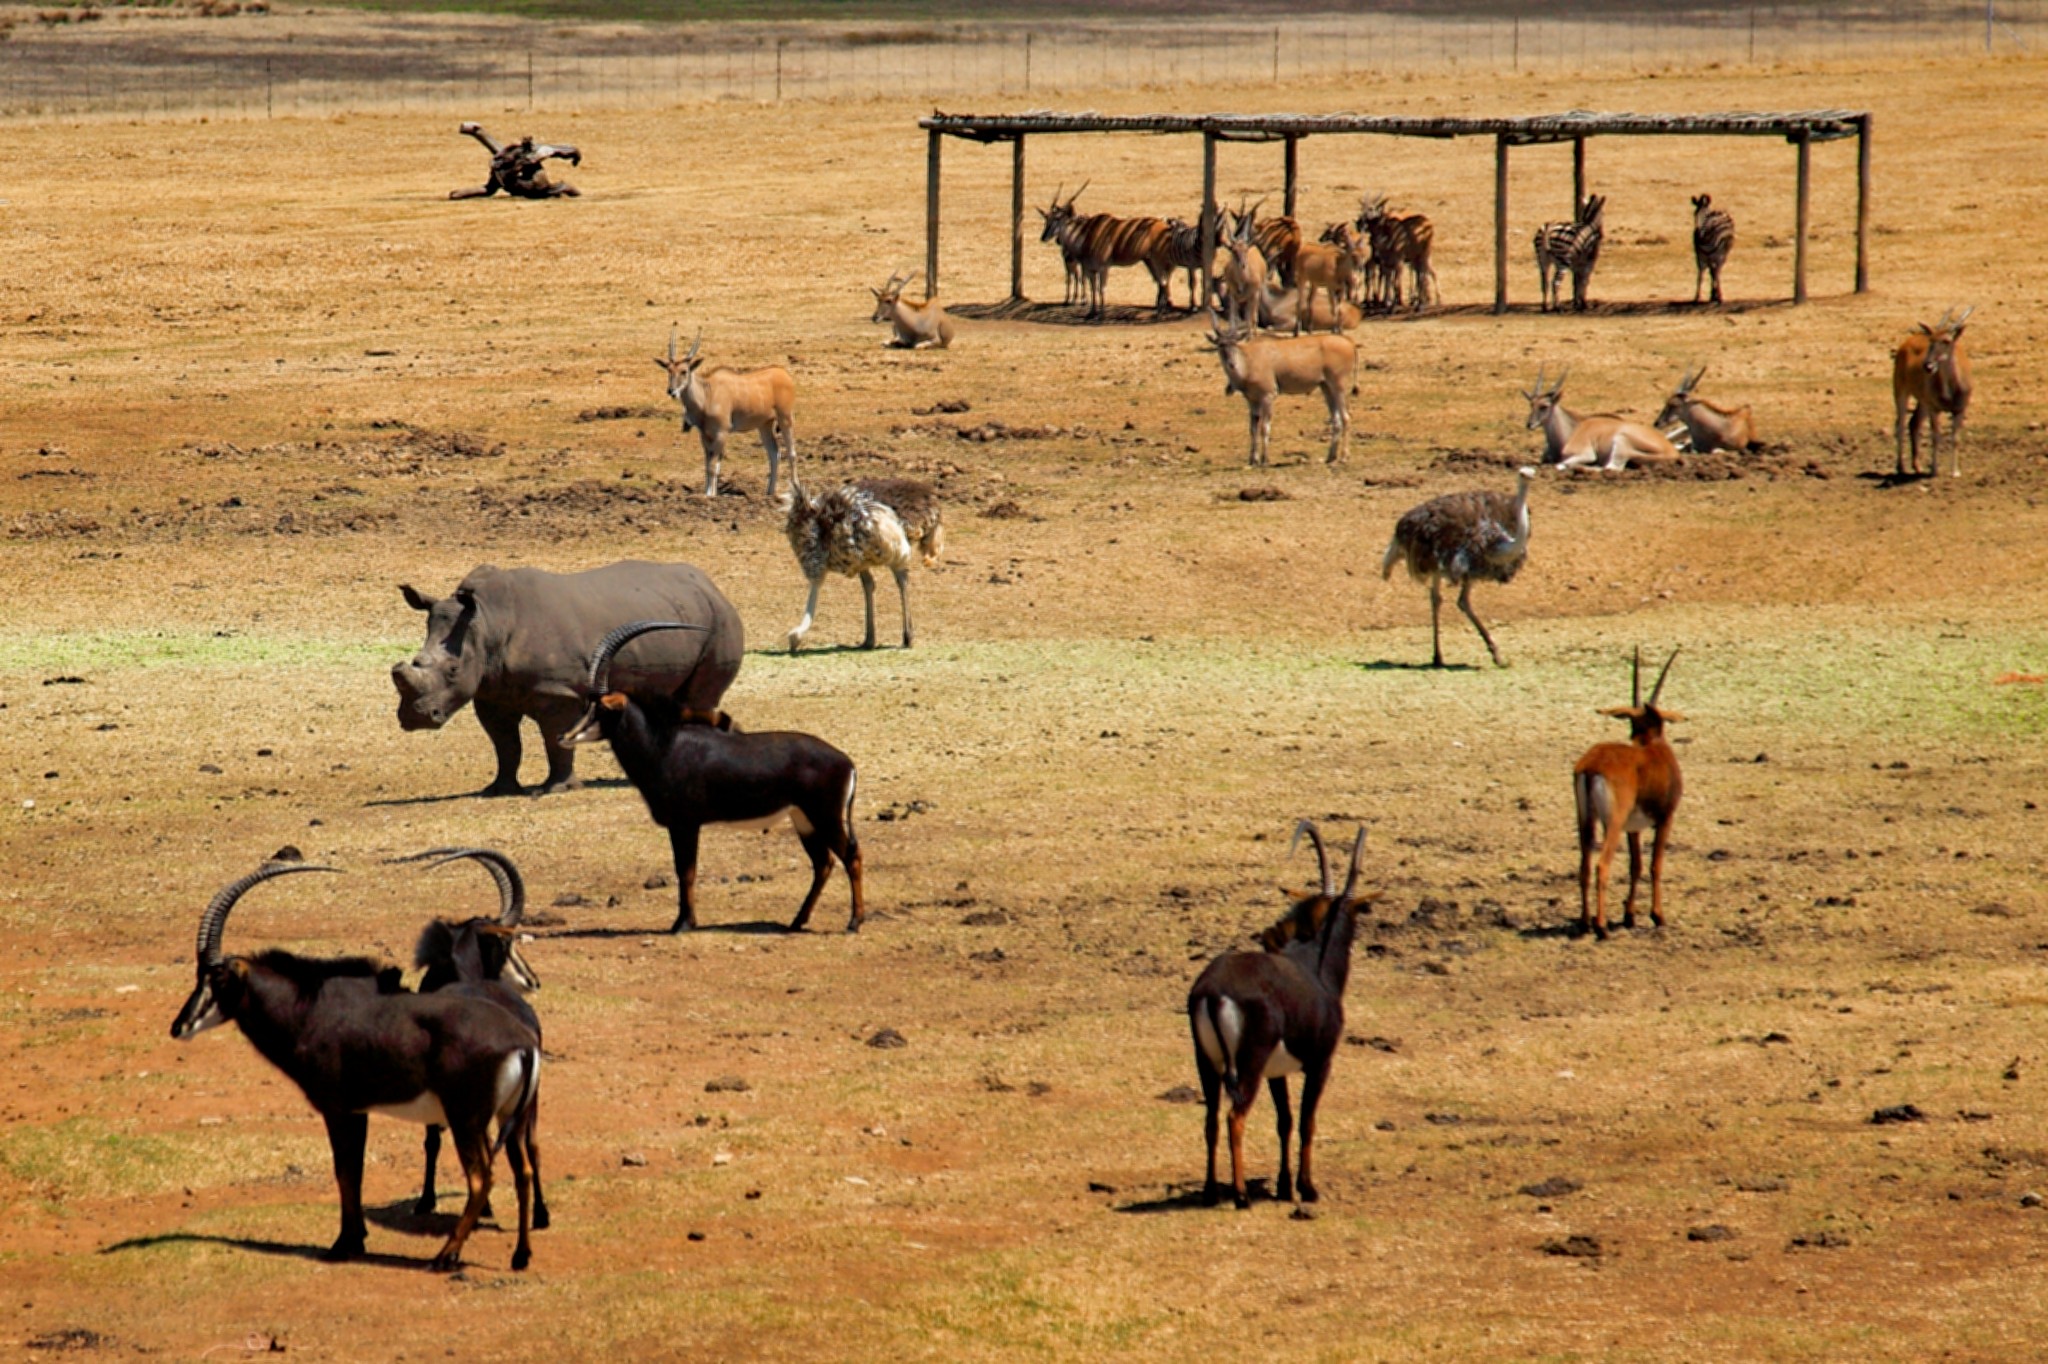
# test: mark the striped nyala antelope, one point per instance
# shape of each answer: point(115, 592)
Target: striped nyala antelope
point(1713, 235)
point(1572, 248)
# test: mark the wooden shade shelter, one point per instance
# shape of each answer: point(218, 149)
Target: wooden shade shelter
point(1802, 130)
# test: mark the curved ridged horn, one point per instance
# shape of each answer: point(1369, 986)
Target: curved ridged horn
point(1357, 851)
point(1322, 858)
point(601, 658)
point(215, 919)
point(1662, 675)
point(1532, 394)
point(695, 346)
point(1557, 389)
point(671, 343)
point(511, 885)
point(1635, 681)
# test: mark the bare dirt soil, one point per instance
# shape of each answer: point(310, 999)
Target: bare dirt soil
point(258, 374)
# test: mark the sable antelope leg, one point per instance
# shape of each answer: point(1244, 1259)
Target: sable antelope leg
point(540, 1202)
point(348, 1134)
point(1212, 1093)
point(867, 590)
point(850, 857)
point(682, 839)
point(1635, 874)
point(1465, 605)
point(903, 596)
point(475, 1149)
point(1313, 1079)
point(425, 1203)
point(525, 1185)
point(818, 844)
point(1585, 858)
point(1284, 1123)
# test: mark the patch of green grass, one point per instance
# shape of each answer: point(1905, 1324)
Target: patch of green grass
point(85, 1157)
point(74, 654)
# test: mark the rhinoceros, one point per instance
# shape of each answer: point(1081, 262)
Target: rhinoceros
point(517, 642)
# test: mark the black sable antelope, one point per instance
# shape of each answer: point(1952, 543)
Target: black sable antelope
point(1266, 1015)
point(354, 1044)
point(692, 768)
point(479, 958)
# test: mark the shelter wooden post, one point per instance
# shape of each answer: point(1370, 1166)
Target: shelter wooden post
point(1799, 216)
point(1863, 204)
point(931, 214)
point(1293, 171)
point(1208, 215)
point(1500, 223)
point(1578, 176)
point(1017, 219)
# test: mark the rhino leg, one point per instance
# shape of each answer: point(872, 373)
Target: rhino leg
point(561, 759)
point(503, 728)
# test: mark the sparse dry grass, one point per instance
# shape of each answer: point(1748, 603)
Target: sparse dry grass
point(1122, 699)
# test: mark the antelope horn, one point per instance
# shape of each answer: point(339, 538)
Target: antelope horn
point(1077, 193)
point(1958, 324)
point(695, 346)
point(1557, 389)
point(671, 343)
point(1661, 676)
point(1322, 858)
point(511, 885)
point(1533, 393)
point(215, 919)
point(1357, 851)
point(1635, 685)
point(601, 658)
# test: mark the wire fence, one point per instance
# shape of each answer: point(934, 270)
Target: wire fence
point(270, 65)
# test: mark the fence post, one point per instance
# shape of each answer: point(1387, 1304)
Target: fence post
point(1293, 167)
point(269, 89)
point(1500, 222)
point(931, 215)
point(1863, 204)
point(778, 69)
point(1209, 214)
point(1016, 220)
point(1805, 145)
point(529, 79)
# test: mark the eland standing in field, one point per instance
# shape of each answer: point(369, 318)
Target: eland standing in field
point(722, 401)
point(1264, 367)
point(1461, 537)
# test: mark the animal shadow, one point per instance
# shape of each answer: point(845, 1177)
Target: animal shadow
point(1887, 481)
point(317, 1254)
point(748, 927)
point(1389, 665)
point(1189, 1199)
point(583, 783)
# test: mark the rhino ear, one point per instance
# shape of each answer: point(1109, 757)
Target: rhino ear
point(414, 599)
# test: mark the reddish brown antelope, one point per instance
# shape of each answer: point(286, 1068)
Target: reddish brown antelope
point(1627, 788)
point(1931, 375)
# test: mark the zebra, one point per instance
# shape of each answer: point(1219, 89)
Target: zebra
point(1713, 233)
point(1573, 246)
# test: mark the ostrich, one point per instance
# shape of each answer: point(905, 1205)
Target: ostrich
point(1463, 536)
point(865, 525)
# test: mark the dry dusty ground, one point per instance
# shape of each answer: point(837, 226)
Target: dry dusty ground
point(258, 374)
